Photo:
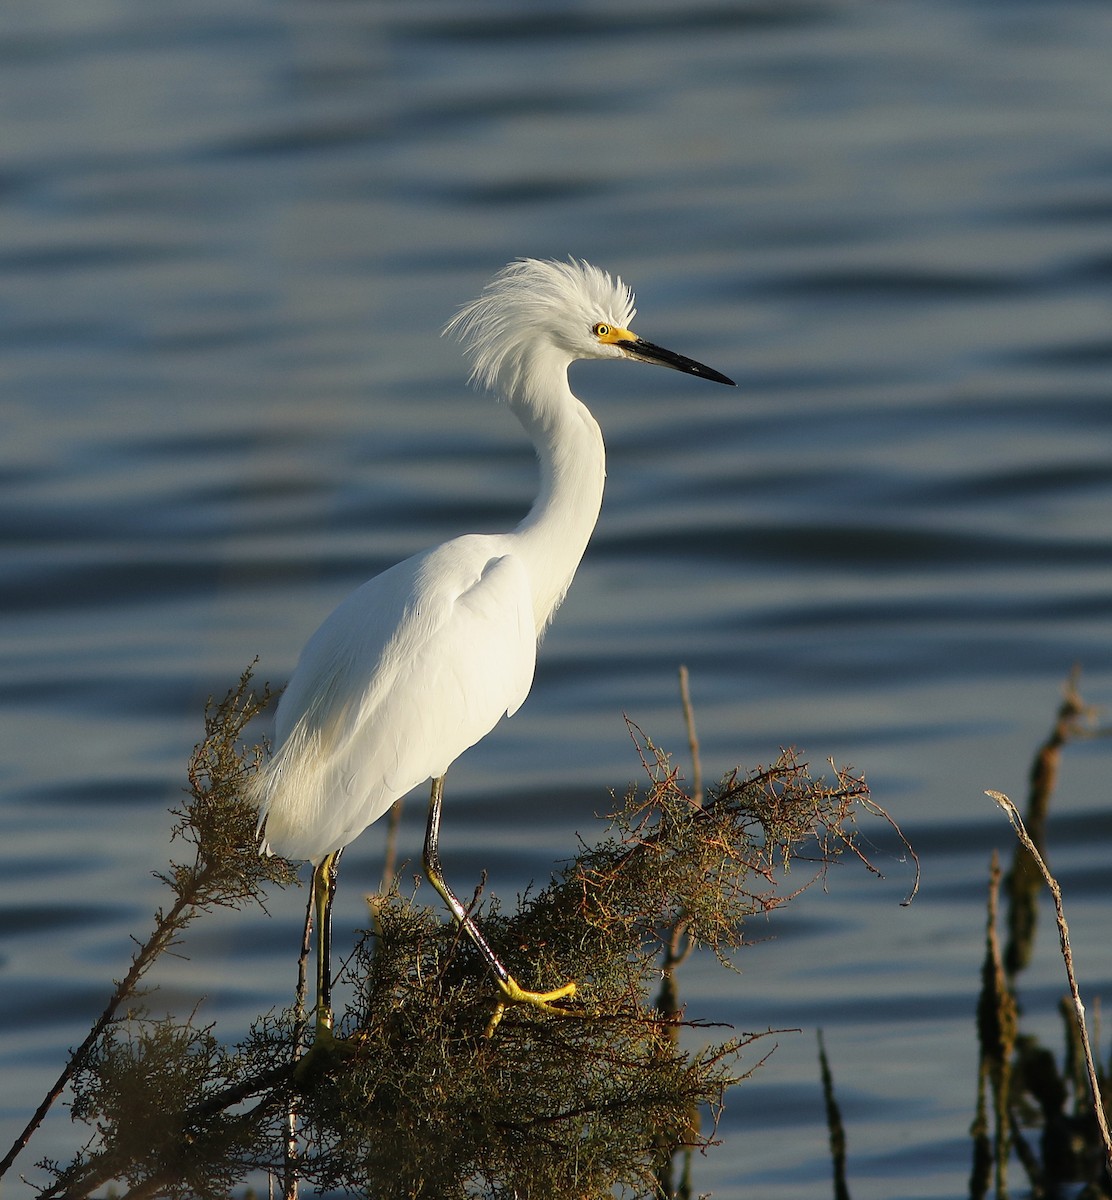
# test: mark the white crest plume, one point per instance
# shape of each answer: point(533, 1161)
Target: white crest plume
point(531, 305)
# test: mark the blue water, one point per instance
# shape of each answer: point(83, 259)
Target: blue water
point(229, 236)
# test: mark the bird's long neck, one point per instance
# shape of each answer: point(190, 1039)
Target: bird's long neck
point(554, 535)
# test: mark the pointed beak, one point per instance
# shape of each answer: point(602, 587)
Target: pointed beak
point(643, 351)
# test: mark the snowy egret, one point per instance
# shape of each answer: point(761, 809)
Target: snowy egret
point(423, 660)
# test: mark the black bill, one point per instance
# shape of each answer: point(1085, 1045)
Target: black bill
point(646, 352)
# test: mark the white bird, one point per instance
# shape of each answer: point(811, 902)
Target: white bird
point(422, 661)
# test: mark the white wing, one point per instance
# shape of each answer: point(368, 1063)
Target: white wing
point(407, 673)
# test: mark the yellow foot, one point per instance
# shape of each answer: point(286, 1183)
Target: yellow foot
point(322, 1027)
point(325, 1050)
point(514, 993)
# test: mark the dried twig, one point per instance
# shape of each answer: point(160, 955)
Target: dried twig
point(1067, 957)
point(226, 870)
point(692, 737)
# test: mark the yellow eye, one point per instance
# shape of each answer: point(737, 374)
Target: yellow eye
point(601, 329)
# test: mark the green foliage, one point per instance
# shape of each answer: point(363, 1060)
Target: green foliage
point(146, 1088)
point(418, 1102)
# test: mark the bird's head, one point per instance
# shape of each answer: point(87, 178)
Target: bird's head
point(537, 316)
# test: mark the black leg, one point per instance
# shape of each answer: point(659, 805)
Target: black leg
point(324, 889)
point(436, 878)
point(511, 990)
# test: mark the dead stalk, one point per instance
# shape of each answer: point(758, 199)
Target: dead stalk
point(1067, 957)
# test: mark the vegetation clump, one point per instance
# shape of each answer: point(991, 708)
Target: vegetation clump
point(412, 1099)
point(572, 1105)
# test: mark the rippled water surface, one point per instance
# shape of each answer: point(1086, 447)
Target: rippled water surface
point(229, 236)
